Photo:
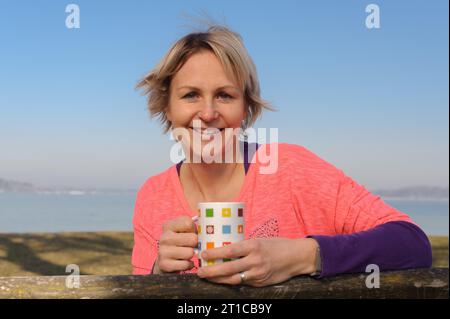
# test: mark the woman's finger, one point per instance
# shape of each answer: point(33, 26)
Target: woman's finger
point(183, 224)
point(234, 279)
point(225, 269)
point(179, 239)
point(237, 250)
point(176, 253)
point(172, 265)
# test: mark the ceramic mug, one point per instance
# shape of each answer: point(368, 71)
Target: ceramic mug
point(219, 224)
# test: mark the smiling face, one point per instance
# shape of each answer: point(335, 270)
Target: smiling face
point(203, 95)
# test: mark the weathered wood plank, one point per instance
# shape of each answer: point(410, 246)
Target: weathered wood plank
point(415, 283)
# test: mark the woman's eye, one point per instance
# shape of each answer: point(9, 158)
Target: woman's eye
point(190, 95)
point(225, 96)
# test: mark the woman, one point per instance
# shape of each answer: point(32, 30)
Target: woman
point(305, 217)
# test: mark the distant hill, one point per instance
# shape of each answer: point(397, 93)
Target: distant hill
point(415, 192)
point(14, 186)
point(10, 186)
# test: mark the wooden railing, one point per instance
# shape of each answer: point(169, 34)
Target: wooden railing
point(415, 283)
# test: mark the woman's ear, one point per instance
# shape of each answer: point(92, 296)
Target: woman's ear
point(168, 114)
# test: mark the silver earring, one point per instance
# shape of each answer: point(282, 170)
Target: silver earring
point(244, 124)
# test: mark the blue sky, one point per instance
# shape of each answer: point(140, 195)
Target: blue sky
point(373, 102)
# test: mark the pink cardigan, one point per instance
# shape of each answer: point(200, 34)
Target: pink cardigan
point(305, 196)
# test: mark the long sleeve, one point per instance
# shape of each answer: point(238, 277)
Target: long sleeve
point(391, 246)
point(354, 228)
point(145, 249)
point(144, 254)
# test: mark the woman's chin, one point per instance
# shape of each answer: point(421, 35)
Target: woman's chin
point(209, 148)
point(209, 152)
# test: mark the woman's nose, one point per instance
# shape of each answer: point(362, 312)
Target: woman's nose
point(208, 112)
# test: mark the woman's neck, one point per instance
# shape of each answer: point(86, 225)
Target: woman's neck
point(211, 180)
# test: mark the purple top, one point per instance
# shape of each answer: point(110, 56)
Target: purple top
point(390, 246)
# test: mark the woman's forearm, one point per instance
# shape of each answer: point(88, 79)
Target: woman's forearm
point(390, 246)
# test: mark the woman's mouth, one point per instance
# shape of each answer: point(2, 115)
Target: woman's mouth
point(210, 131)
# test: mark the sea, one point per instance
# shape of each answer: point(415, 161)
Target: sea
point(34, 213)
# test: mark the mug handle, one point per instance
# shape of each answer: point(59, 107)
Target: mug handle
point(195, 219)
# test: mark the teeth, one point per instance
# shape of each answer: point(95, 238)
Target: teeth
point(210, 131)
point(207, 131)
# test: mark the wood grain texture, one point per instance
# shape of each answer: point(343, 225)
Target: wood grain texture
point(414, 283)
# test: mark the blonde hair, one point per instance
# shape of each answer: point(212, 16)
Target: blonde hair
point(228, 48)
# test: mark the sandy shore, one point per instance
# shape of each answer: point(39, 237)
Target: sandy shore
point(96, 253)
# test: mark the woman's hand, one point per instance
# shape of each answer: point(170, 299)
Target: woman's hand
point(264, 261)
point(176, 246)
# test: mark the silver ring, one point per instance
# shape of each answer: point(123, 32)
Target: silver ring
point(242, 275)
